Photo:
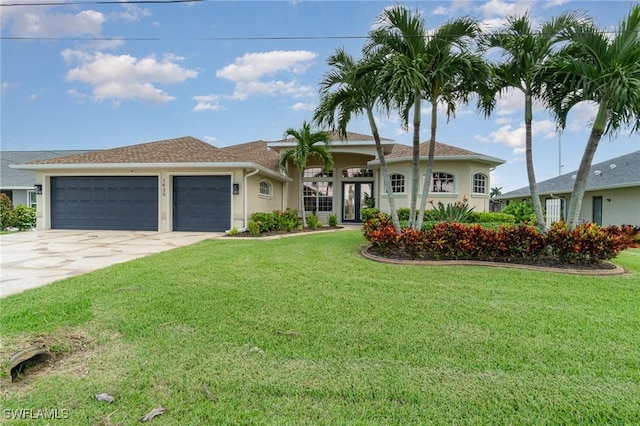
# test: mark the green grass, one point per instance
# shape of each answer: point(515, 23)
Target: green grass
point(303, 330)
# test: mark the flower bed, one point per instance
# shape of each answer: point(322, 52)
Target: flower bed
point(586, 244)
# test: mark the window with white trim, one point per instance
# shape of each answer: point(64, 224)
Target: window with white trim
point(479, 183)
point(397, 182)
point(356, 172)
point(318, 190)
point(266, 189)
point(442, 182)
point(31, 199)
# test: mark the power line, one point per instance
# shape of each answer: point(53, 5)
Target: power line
point(352, 37)
point(76, 3)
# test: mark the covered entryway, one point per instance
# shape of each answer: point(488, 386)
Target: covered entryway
point(201, 203)
point(105, 203)
point(354, 197)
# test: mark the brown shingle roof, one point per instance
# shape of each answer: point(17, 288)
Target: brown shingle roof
point(351, 136)
point(256, 152)
point(179, 150)
point(441, 150)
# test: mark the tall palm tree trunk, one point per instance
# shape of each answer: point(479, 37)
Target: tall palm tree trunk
point(579, 186)
point(432, 153)
point(415, 170)
point(531, 174)
point(385, 172)
point(301, 197)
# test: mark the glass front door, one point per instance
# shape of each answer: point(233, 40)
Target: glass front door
point(354, 195)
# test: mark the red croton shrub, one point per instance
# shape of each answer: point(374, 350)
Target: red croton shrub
point(587, 243)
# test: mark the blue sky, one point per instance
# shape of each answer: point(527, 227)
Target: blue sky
point(92, 76)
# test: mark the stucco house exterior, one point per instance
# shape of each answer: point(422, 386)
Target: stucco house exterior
point(18, 184)
point(612, 195)
point(185, 184)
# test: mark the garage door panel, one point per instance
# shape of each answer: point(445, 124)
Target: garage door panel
point(201, 203)
point(105, 203)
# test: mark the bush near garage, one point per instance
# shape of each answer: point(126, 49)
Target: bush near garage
point(7, 213)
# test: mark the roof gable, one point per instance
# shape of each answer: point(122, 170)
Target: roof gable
point(13, 178)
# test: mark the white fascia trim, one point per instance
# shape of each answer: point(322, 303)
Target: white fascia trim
point(480, 158)
point(155, 166)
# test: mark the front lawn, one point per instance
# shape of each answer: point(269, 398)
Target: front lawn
point(304, 330)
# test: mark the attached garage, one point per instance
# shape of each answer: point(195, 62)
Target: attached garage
point(202, 203)
point(105, 202)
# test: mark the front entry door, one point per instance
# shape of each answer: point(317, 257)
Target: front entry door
point(353, 199)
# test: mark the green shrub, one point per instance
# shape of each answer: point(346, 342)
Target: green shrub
point(458, 212)
point(366, 214)
point(522, 211)
point(493, 217)
point(285, 220)
point(333, 220)
point(313, 222)
point(7, 213)
point(233, 231)
point(254, 228)
point(25, 217)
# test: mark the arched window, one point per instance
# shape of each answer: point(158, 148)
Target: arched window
point(266, 189)
point(355, 172)
point(479, 183)
point(442, 182)
point(397, 182)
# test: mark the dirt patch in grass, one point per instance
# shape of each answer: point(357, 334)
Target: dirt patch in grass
point(540, 264)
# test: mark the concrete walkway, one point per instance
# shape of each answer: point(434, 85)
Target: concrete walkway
point(36, 258)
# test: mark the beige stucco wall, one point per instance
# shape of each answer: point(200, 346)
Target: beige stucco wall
point(462, 171)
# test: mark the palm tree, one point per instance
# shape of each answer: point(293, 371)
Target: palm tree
point(602, 68)
point(309, 144)
point(525, 50)
point(453, 75)
point(400, 39)
point(346, 91)
point(495, 191)
point(438, 68)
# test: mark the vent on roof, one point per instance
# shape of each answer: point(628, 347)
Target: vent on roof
point(573, 176)
point(612, 166)
point(597, 172)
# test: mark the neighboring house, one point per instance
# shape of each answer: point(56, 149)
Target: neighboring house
point(185, 184)
point(612, 195)
point(18, 184)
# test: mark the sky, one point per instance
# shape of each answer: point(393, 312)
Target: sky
point(89, 75)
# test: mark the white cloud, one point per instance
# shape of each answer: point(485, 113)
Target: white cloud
point(32, 97)
point(131, 13)
point(440, 10)
point(118, 77)
point(253, 66)
point(503, 120)
point(581, 116)
point(41, 22)
point(210, 139)
point(515, 138)
point(302, 106)
point(494, 8)
point(6, 85)
point(553, 3)
point(207, 103)
point(248, 71)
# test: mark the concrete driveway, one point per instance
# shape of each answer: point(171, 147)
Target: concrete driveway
point(36, 258)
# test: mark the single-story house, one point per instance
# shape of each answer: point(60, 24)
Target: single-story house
point(18, 184)
point(185, 184)
point(612, 195)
